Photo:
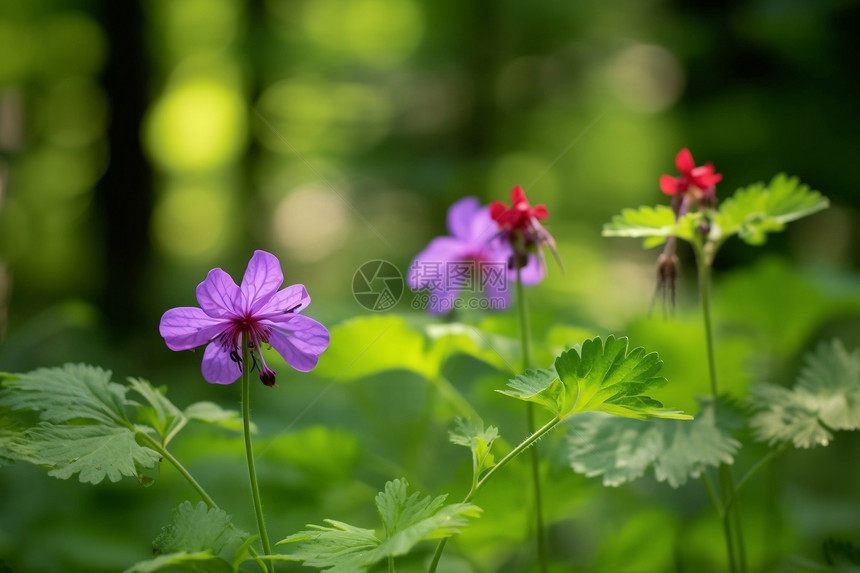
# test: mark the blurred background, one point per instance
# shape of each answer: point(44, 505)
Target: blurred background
point(144, 143)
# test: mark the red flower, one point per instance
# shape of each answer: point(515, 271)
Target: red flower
point(519, 215)
point(703, 178)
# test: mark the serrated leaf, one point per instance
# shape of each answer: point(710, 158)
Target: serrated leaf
point(160, 413)
point(471, 434)
point(75, 391)
point(94, 451)
point(541, 386)
point(183, 562)
point(756, 210)
point(212, 413)
point(622, 450)
point(407, 520)
point(597, 377)
point(654, 224)
point(825, 398)
point(197, 529)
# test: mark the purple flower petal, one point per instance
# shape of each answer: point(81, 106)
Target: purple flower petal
point(498, 294)
point(188, 327)
point(262, 279)
point(292, 299)
point(218, 295)
point(482, 228)
point(461, 215)
point(218, 367)
point(429, 266)
point(442, 301)
point(299, 340)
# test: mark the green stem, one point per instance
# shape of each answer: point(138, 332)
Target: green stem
point(525, 338)
point(390, 564)
point(752, 471)
point(730, 515)
point(153, 444)
point(249, 451)
point(490, 473)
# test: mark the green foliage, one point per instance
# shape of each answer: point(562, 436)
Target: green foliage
point(621, 450)
point(94, 451)
point(654, 224)
point(406, 519)
point(197, 528)
point(86, 425)
point(73, 392)
point(471, 434)
point(597, 377)
point(198, 540)
point(750, 213)
point(825, 398)
point(369, 345)
point(758, 209)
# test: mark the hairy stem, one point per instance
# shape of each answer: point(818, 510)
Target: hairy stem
point(525, 338)
point(249, 450)
point(535, 436)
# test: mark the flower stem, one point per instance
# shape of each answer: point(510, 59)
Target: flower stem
point(525, 338)
point(153, 444)
point(249, 451)
point(535, 436)
point(730, 513)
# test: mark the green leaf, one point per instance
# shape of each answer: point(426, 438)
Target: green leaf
point(597, 377)
point(183, 562)
point(161, 414)
point(94, 451)
point(198, 529)
point(75, 391)
point(654, 224)
point(825, 398)
point(212, 413)
point(756, 210)
point(407, 520)
point(366, 346)
point(471, 434)
point(622, 450)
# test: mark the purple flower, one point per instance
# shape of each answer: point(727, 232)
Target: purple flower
point(474, 257)
point(257, 310)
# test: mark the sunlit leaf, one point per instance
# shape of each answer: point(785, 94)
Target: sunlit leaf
point(825, 398)
point(597, 377)
point(96, 451)
point(407, 520)
point(758, 209)
point(622, 450)
point(369, 345)
point(654, 224)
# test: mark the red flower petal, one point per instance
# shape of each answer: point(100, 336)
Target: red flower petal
point(539, 211)
point(668, 184)
point(684, 161)
point(518, 195)
point(497, 210)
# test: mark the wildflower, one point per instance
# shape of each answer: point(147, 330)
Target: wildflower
point(526, 237)
point(696, 185)
point(256, 310)
point(449, 264)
